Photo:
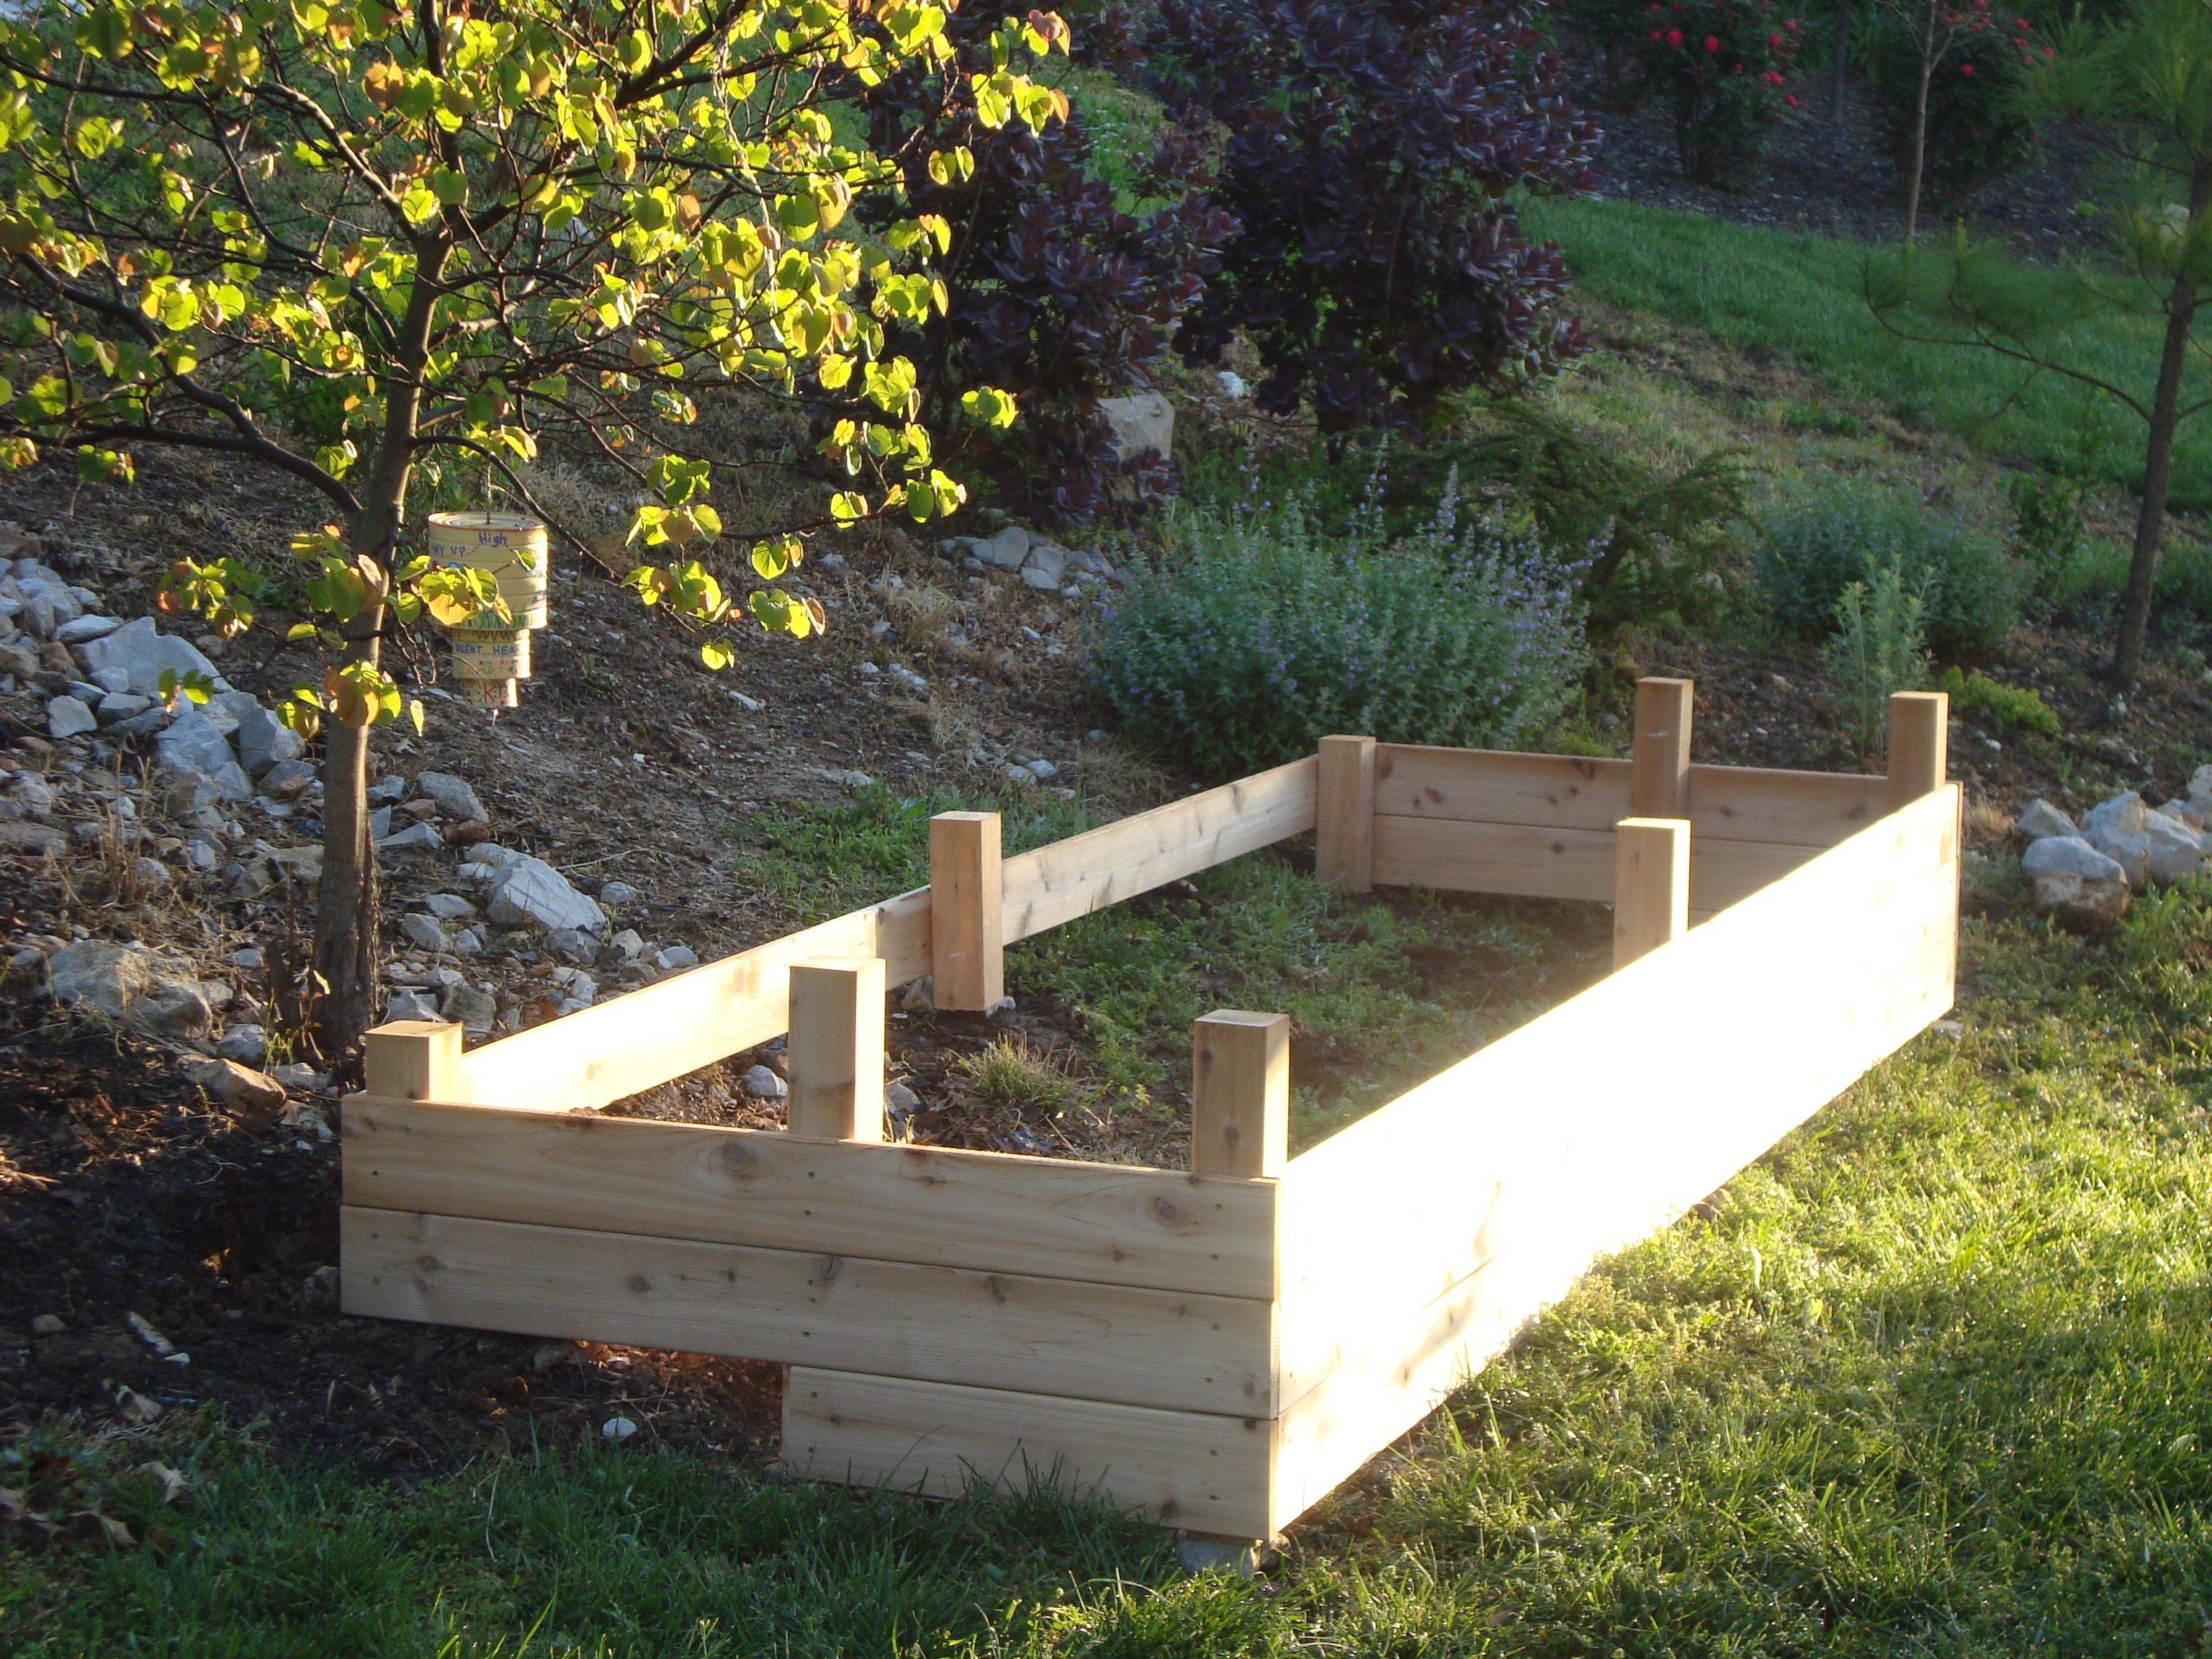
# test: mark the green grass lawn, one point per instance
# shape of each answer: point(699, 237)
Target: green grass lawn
point(1803, 295)
point(1935, 1377)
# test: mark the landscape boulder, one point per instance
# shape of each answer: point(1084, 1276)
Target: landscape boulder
point(2074, 881)
point(241, 1088)
point(529, 892)
point(135, 986)
point(1143, 421)
point(69, 717)
point(193, 743)
point(143, 651)
point(452, 797)
point(2039, 818)
point(2176, 851)
point(264, 742)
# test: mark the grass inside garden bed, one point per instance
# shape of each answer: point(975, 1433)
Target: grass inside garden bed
point(1935, 1377)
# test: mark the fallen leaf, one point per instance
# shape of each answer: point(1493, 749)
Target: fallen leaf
point(136, 1406)
point(105, 1526)
point(173, 1486)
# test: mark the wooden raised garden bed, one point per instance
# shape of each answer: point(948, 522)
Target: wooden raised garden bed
point(1220, 1346)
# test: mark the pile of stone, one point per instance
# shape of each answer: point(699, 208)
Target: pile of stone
point(2087, 873)
point(1044, 565)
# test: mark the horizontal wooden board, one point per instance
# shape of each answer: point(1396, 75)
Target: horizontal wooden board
point(1797, 809)
point(1557, 792)
point(1203, 1473)
point(1591, 1125)
point(707, 1013)
point(1586, 1129)
point(1086, 872)
point(994, 1211)
point(1465, 857)
point(1568, 791)
point(1164, 1348)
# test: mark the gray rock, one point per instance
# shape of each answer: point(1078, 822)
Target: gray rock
point(1232, 384)
point(2039, 818)
point(116, 706)
point(477, 1010)
point(627, 945)
point(468, 942)
point(761, 1084)
point(2177, 852)
point(1046, 560)
point(906, 680)
point(287, 779)
point(379, 822)
point(901, 1100)
point(2076, 881)
point(387, 791)
point(1019, 774)
point(572, 945)
point(32, 793)
point(68, 717)
point(299, 1077)
point(152, 873)
point(409, 1005)
point(447, 906)
point(191, 743)
point(202, 853)
point(246, 1044)
point(424, 932)
point(619, 892)
point(452, 797)
point(82, 630)
point(1043, 770)
point(416, 837)
point(920, 997)
point(111, 679)
point(530, 892)
point(1004, 551)
point(1032, 576)
point(675, 958)
point(241, 1088)
point(143, 652)
point(1134, 425)
point(2128, 848)
point(2124, 812)
point(36, 838)
point(263, 742)
point(134, 987)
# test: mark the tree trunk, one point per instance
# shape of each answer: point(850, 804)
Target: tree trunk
point(1920, 129)
point(343, 991)
point(1843, 47)
point(2158, 476)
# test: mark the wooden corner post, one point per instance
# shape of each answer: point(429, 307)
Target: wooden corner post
point(967, 911)
point(1659, 778)
point(1919, 744)
point(1240, 1094)
point(836, 1049)
point(1651, 885)
point(413, 1059)
point(1344, 817)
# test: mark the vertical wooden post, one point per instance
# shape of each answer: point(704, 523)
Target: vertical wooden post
point(1240, 1094)
point(1344, 820)
point(1651, 885)
point(1919, 744)
point(1659, 775)
point(836, 1049)
point(967, 921)
point(413, 1059)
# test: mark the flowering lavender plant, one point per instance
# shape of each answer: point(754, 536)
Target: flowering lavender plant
point(1257, 634)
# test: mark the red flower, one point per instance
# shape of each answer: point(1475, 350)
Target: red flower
point(1773, 41)
point(1793, 100)
point(1791, 25)
point(2051, 52)
point(1965, 68)
point(1673, 36)
point(1712, 43)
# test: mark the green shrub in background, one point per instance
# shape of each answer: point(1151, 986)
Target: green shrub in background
point(2009, 705)
point(1256, 634)
point(1880, 647)
point(1814, 546)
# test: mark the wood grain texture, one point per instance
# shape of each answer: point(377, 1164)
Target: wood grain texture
point(1422, 1236)
point(1566, 863)
point(1055, 884)
point(1920, 743)
point(1558, 792)
point(967, 910)
point(835, 1050)
point(1659, 780)
point(1057, 1336)
point(413, 1059)
point(1344, 818)
point(1651, 886)
point(993, 1211)
point(1240, 1094)
point(1772, 805)
point(1198, 1472)
point(648, 1037)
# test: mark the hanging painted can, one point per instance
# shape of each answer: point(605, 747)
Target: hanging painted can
point(488, 694)
point(513, 546)
point(491, 653)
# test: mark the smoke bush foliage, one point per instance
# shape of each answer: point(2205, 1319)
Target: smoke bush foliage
point(1259, 634)
point(1374, 153)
